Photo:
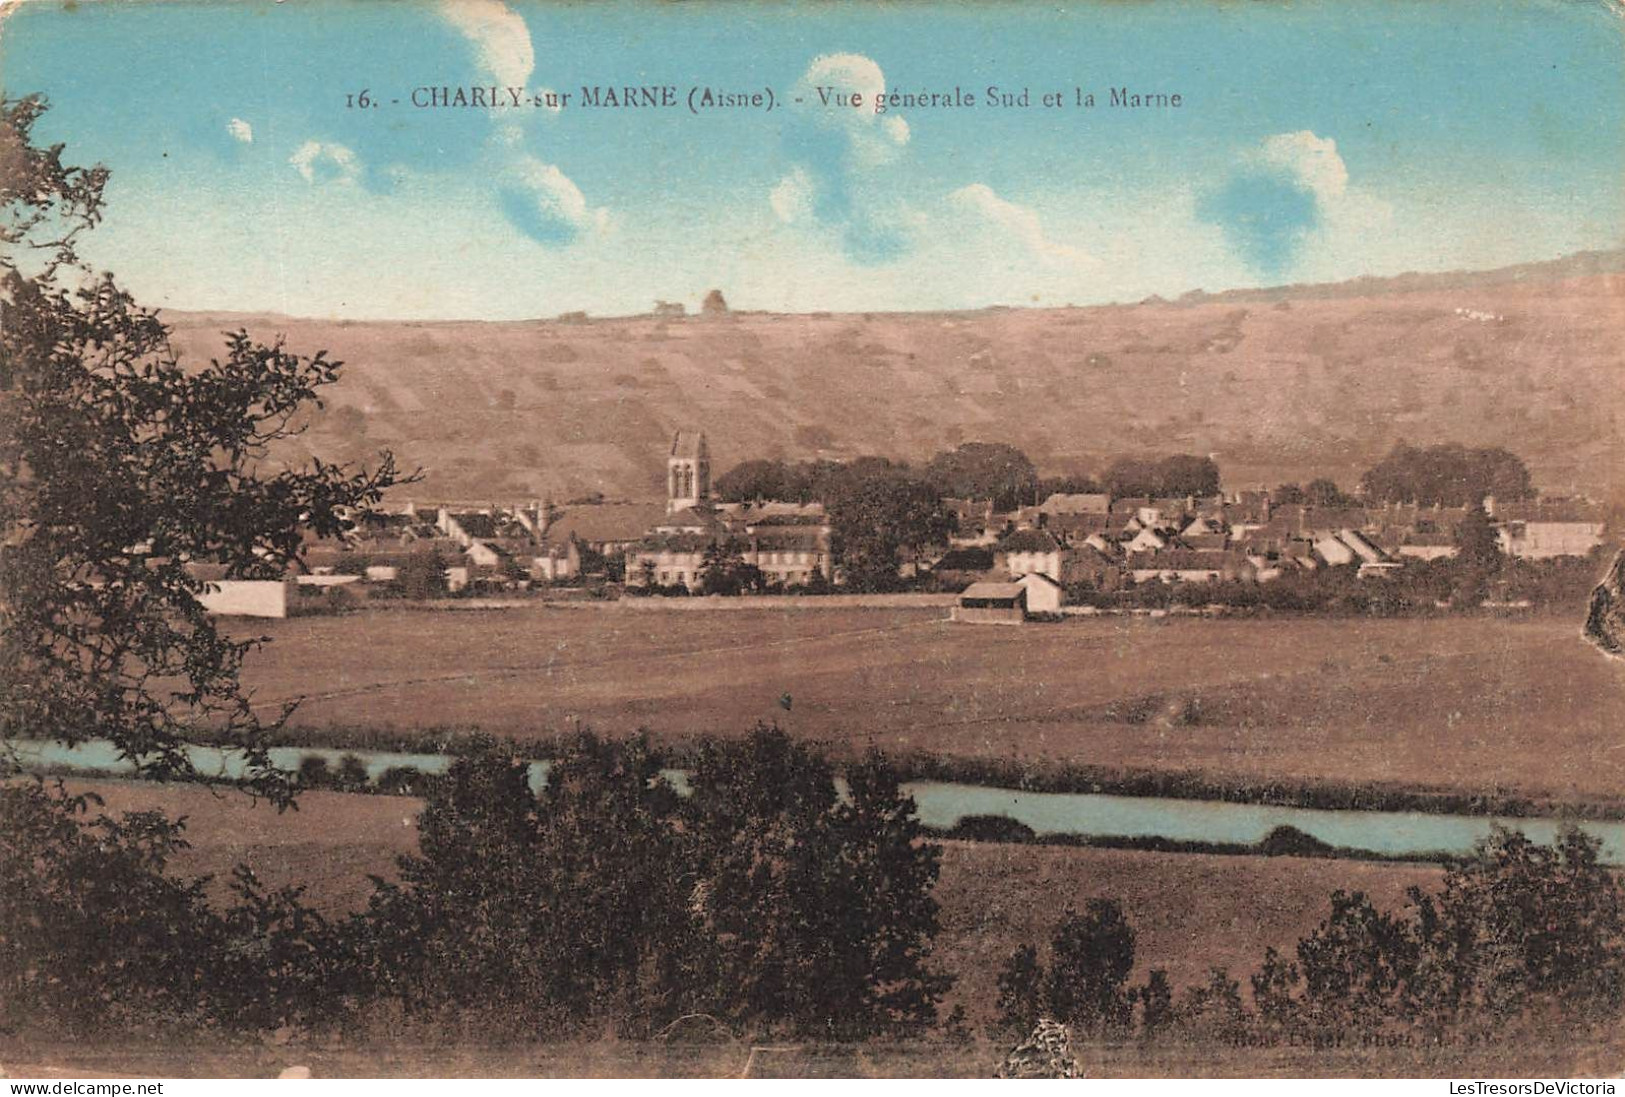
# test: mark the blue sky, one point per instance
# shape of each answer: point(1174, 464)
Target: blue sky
point(1315, 141)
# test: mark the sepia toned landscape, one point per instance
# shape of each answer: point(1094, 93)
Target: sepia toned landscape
point(1281, 385)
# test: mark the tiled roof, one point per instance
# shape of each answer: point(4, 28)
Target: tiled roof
point(993, 591)
point(602, 523)
point(1028, 540)
point(1076, 503)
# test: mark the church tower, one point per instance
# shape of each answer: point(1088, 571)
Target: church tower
point(688, 472)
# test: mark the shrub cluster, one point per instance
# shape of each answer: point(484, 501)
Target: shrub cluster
point(1518, 932)
point(763, 898)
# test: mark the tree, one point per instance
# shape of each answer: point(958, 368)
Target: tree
point(750, 481)
point(1519, 927)
point(821, 906)
point(423, 575)
point(122, 468)
point(1358, 966)
point(1476, 539)
point(1091, 956)
point(985, 470)
point(545, 909)
point(1449, 475)
point(1323, 492)
point(1021, 984)
point(1214, 1010)
point(724, 571)
point(1181, 474)
point(1156, 999)
point(879, 517)
point(93, 933)
point(1184, 474)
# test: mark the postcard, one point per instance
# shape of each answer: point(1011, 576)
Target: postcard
point(798, 540)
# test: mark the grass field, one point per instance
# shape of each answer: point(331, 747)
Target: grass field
point(1462, 703)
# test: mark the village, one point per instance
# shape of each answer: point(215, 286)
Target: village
point(1005, 565)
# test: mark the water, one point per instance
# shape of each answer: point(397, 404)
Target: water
point(942, 804)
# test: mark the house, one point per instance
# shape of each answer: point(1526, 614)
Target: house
point(1427, 546)
point(225, 597)
point(668, 560)
point(991, 604)
point(607, 529)
point(1185, 566)
point(790, 555)
point(556, 562)
point(1546, 529)
point(788, 542)
point(1044, 595)
point(1087, 564)
point(1098, 504)
point(1145, 540)
point(247, 597)
point(1029, 551)
point(1333, 551)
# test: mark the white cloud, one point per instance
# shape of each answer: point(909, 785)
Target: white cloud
point(499, 36)
point(241, 131)
point(1314, 160)
point(325, 162)
point(546, 205)
point(871, 139)
point(1016, 222)
point(792, 197)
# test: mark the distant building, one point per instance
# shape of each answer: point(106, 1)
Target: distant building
point(1027, 552)
point(1044, 595)
point(688, 472)
point(1547, 529)
point(991, 604)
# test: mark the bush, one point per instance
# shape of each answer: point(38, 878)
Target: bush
point(314, 773)
point(351, 775)
point(401, 781)
point(1091, 956)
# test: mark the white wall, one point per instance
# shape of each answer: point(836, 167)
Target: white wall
point(246, 597)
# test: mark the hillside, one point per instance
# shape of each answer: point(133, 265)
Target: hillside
point(1282, 384)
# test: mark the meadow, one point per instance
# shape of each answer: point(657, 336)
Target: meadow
point(1466, 703)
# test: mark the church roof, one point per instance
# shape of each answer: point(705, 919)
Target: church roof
point(689, 443)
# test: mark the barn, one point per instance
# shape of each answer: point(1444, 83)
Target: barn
point(992, 604)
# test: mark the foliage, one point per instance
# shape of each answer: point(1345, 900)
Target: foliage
point(1156, 1000)
point(1213, 1010)
point(1182, 474)
point(1358, 967)
point(547, 911)
point(723, 571)
point(985, 470)
point(1021, 990)
point(881, 518)
point(763, 898)
point(1523, 925)
point(1091, 956)
point(821, 906)
point(1086, 981)
point(422, 575)
point(1448, 475)
point(93, 933)
point(98, 935)
point(1476, 540)
point(122, 468)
